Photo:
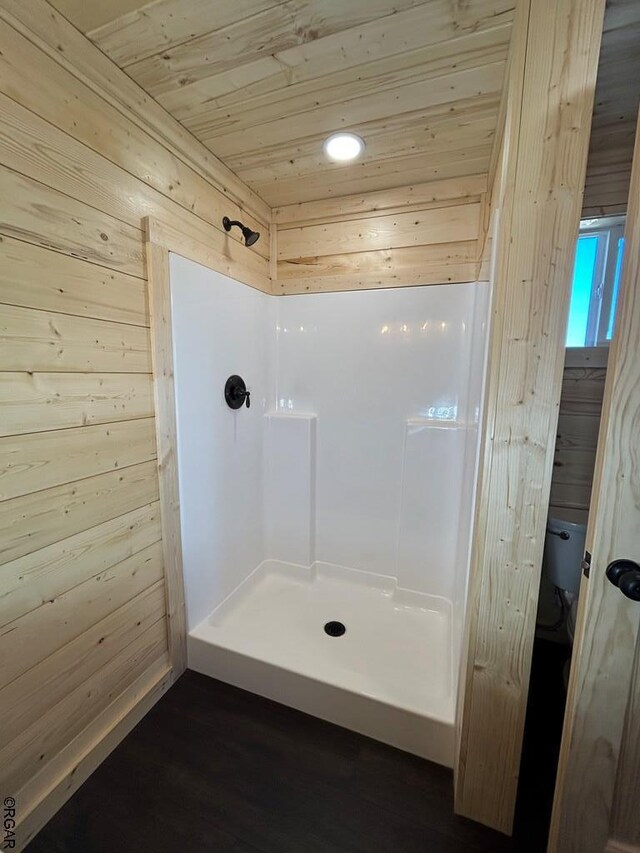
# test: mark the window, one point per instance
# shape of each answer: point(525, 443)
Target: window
point(596, 280)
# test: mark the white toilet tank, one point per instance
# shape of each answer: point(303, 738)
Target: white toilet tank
point(564, 548)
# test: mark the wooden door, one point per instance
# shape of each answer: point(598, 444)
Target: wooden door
point(597, 801)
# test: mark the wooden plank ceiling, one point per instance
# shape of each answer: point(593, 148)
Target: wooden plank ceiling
point(262, 83)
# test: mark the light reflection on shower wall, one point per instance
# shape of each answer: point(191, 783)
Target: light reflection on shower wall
point(394, 377)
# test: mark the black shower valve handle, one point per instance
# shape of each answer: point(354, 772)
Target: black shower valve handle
point(236, 393)
point(244, 395)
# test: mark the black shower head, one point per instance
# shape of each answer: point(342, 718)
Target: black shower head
point(250, 237)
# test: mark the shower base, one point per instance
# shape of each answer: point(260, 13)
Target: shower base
point(388, 676)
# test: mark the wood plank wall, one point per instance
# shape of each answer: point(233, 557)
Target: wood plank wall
point(538, 195)
point(422, 234)
point(578, 426)
point(84, 156)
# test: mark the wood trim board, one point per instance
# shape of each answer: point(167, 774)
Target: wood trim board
point(166, 440)
point(544, 153)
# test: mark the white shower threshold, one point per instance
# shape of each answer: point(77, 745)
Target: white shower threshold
point(389, 676)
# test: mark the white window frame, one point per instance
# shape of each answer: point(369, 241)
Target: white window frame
point(610, 229)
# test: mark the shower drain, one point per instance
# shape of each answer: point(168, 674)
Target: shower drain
point(334, 629)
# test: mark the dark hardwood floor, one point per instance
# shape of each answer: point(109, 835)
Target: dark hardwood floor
point(215, 769)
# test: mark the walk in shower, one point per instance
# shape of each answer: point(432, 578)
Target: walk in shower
point(326, 528)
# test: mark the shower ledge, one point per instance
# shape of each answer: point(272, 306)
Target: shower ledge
point(440, 423)
point(390, 676)
point(306, 416)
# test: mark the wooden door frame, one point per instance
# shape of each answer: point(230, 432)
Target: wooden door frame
point(160, 239)
point(536, 203)
point(595, 718)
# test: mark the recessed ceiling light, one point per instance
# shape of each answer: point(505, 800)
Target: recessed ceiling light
point(343, 146)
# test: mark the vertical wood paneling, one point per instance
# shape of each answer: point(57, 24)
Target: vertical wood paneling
point(552, 81)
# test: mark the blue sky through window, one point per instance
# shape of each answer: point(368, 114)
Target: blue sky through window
point(586, 253)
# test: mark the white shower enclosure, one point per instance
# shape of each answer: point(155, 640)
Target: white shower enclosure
point(343, 494)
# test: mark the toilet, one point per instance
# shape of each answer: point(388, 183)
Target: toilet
point(564, 548)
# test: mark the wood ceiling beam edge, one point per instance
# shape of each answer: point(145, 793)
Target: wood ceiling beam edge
point(494, 161)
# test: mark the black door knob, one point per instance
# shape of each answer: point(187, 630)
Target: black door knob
point(625, 574)
point(630, 585)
